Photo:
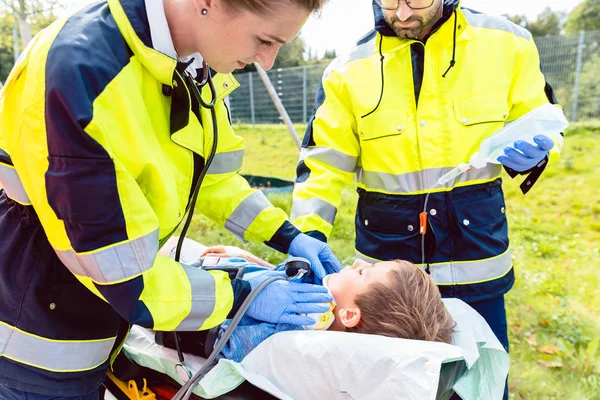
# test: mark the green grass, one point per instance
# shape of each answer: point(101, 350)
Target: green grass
point(554, 308)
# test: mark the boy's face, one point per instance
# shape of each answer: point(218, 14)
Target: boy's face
point(352, 281)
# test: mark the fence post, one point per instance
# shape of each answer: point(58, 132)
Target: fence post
point(16, 51)
point(278, 104)
point(304, 94)
point(577, 75)
point(251, 88)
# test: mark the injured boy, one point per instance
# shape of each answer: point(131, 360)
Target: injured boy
point(389, 298)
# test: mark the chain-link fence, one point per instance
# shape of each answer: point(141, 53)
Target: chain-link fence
point(571, 64)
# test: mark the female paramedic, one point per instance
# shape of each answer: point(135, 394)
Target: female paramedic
point(106, 136)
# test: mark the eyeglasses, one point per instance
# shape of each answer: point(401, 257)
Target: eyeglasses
point(413, 4)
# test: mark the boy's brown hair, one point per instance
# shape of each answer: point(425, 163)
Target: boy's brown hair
point(408, 306)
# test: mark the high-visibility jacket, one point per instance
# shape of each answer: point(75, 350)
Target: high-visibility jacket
point(101, 143)
point(393, 117)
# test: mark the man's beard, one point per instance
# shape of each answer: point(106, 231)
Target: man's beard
point(408, 33)
point(414, 31)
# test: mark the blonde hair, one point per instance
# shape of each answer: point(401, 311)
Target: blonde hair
point(265, 6)
point(408, 306)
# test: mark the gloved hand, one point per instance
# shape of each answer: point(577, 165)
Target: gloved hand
point(524, 155)
point(322, 260)
point(281, 301)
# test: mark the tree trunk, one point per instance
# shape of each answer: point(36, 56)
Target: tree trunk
point(24, 28)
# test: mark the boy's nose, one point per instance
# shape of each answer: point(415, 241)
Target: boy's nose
point(360, 263)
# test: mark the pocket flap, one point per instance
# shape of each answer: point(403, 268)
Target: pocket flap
point(481, 108)
point(392, 219)
point(382, 123)
point(481, 209)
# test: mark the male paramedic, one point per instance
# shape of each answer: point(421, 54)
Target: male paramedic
point(104, 141)
point(412, 100)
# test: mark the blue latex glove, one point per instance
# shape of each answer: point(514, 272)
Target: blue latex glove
point(524, 156)
point(322, 260)
point(281, 301)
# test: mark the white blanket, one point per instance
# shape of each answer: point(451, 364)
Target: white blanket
point(337, 365)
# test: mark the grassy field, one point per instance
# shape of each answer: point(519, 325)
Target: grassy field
point(554, 308)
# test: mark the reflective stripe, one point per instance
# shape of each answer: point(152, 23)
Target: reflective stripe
point(53, 355)
point(331, 157)
point(493, 22)
point(421, 181)
point(11, 183)
point(227, 162)
point(117, 263)
point(245, 213)
point(314, 206)
point(359, 51)
point(464, 272)
point(203, 298)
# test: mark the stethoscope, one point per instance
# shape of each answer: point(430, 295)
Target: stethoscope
point(295, 267)
point(196, 88)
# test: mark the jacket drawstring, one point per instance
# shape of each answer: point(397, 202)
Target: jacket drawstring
point(453, 61)
point(382, 80)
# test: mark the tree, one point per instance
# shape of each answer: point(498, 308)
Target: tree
point(548, 22)
point(329, 54)
point(7, 23)
point(29, 17)
point(585, 17)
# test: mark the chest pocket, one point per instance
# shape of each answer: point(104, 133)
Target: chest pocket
point(480, 109)
point(382, 124)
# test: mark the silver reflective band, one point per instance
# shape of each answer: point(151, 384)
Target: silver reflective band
point(53, 355)
point(464, 272)
point(11, 183)
point(245, 213)
point(117, 263)
point(314, 206)
point(331, 157)
point(421, 180)
point(228, 162)
point(203, 298)
point(357, 52)
point(492, 22)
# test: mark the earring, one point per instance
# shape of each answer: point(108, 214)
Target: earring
point(204, 11)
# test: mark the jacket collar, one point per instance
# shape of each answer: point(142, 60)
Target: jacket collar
point(132, 20)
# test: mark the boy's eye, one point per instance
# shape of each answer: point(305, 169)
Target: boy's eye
point(360, 270)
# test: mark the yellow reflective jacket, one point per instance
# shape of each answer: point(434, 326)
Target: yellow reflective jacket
point(101, 143)
point(393, 117)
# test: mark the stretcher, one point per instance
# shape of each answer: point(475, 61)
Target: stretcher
point(338, 365)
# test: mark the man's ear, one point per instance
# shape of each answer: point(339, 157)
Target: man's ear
point(349, 317)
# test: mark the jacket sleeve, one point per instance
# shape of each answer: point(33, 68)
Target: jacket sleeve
point(529, 90)
point(248, 335)
point(95, 214)
point(328, 159)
